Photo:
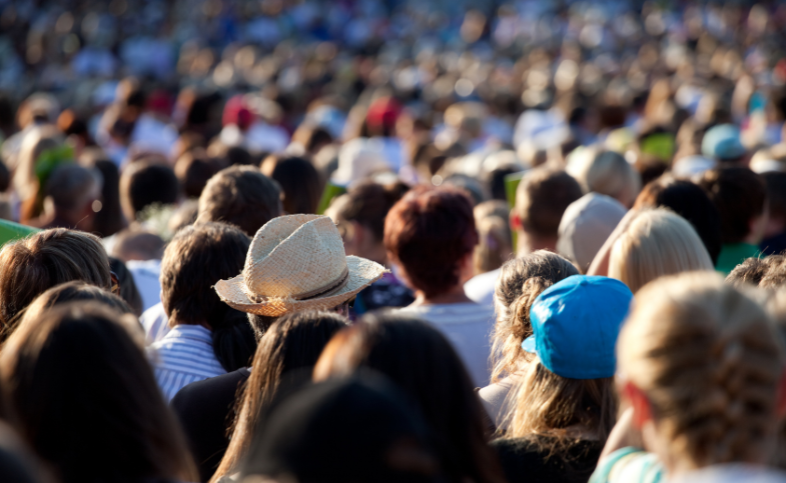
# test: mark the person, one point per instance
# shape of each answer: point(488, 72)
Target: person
point(723, 143)
point(240, 196)
point(361, 428)
point(144, 184)
point(766, 273)
point(430, 236)
point(109, 219)
point(32, 265)
point(691, 202)
point(494, 237)
point(16, 464)
point(298, 179)
point(521, 280)
point(700, 365)
point(419, 358)
point(70, 197)
point(585, 226)
point(86, 401)
point(77, 291)
point(292, 344)
point(654, 243)
point(360, 216)
point(741, 198)
point(607, 173)
point(565, 405)
point(774, 241)
point(193, 170)
point(542, 197)
point(195, 259)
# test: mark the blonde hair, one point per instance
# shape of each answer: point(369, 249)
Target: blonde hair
point(709, 360)
point(656, 243)
point(494, 238)
point(607, 173)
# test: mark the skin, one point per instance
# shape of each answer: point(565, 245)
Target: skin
point(454, 295)
point(527, 242)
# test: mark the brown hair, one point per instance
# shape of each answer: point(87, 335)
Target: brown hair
point(298, 179)
point(520, 282)
point(86, 400)
point(709, 360)
point(241, 196)
point(494, 238)
point(767, 273)
point(368, 203)
point(144, 184)
point(740, 196)
point(43, 260)
point(295, 341)
point(541, 199)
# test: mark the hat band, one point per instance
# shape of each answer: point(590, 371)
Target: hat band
point(325, 290)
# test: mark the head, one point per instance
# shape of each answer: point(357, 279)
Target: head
point(723, 143)
point(541, 199)
point(430, 234)
point(741, 198)
point(608, 173)
point(75, 291)
point(109, 219)
point(32, 265)
point(144, 184)
point(299, 180)
point(656, 243)
point(193, 170)
point(494, 237)
point(293, 343)
point(241, 196)
point(520, 282)
point(751, 271)
point(136, 244)
point(99, 415)
point(776, 202)
point(700, 362)
point(125, 285)
point(416, 356)
point(690, 202)
point(71, 193)
point(585, 226)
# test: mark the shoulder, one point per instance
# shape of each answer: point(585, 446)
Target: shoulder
point(628, 464)
point(215, 389)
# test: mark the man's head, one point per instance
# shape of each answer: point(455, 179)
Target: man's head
point(241, 196)
point(70, 193)
point(741, 198)
point(143, 184)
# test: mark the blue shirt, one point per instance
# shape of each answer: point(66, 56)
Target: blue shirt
point(183, 356)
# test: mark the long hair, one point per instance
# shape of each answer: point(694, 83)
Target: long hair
point(84, 397)
point(293, 342)
point(421, 361)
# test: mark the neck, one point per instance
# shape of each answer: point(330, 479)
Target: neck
point(455, 295)
point(528, 243)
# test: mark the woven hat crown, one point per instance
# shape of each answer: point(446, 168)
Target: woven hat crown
point(295, 257)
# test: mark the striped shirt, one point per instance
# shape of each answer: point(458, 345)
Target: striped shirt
point(183, 356)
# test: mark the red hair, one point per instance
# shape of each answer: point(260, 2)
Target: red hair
point(428, 232)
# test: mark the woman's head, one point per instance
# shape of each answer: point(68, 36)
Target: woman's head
point(494, 238)
point(656, 243)
point(520, 281)
point(86, 400)
point(430, 233)
point(298, 179)
point(41, 261)
point(701, 364)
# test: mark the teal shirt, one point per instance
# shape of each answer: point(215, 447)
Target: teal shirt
point(732, 254)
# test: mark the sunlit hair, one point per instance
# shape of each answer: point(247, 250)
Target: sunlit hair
point(520, 282)
point(608, 173)
point(494, 239)
point(656, 243)
point(709, 360)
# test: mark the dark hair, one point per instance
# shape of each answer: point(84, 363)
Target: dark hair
point(143, 184)
point(86, 400)
point(77, 291)
point(750, 271)
point(241, 196)
point(690, 202)
point(193, 170)
point(294, 342)
point(70, 184)
point(31, 266)
point(109, 220)
point(776, 192)
point(739, 194)
point(541, 199)
point(368, 203)
point(5, 177)
point(300, 181)
point(238, 156)
point(428, 232)
point(422, 362)
point(128, 289)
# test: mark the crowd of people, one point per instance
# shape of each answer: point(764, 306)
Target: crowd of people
point(392, 241)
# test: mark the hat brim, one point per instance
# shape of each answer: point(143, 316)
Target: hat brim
point(529, 345)
point(362, 273)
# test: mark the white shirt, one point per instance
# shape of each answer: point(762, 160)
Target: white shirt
point(155, 322)
point(480, 288)
point(468, 327)
point(145, 275)
point(184, 356)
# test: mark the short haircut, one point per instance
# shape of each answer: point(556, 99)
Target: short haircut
point(739, 194)
point(541, 199)
point(751, 271)
point(41, 261)
point(368, 203)
point(72, 186)
point(608, 173)
point(776, 193)
point(143, 184)
point(428, 232)
point(241, 196)
point(194, 170)
point(196, 258)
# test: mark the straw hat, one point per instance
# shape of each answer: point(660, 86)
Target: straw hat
point(297, 263)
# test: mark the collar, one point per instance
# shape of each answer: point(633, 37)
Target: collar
point(194, 332)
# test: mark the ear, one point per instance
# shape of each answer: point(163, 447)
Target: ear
point(515, 222)
point(781, 408)
point(642, 412)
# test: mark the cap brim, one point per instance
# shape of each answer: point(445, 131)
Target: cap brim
point(529, 344)
point(362, 273)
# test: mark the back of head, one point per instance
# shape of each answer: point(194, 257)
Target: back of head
point(72, 186)
point(585, 226)
point(86, 398)
point(48, 258)
point(740, 196)
point(241, 196)
point(656, 243)
point(368, 203)
point(709, 360)
point(541, 199)
point(144, 184)
point(193, 170)
point(750, 272)
point(608, 173)
point(299, 180)
point(109, 219)
point(776, 195)
point(492, 219)
point(74, 291)
point(690, 202)
point(133, 244)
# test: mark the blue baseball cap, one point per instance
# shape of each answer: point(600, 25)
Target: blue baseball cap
point(722, 142)
point(575, 324)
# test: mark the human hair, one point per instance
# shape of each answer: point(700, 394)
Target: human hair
point(294, 342)
point(109, 219)
point(750, 271)
point(520, 282)
point(542, 197)
point(34, 264)
point(299, 180)
point(143, 184)
point(368, 203)
point(689, 201)
point(85, 398)
point(128, 290)
point(709, 361)
point(193, 170)
point(740, 196)
point(429, 231)
point(776, 193)
point(74, 291)
point(494, 238)
point(71, 186)
point(241, 196)
point(419, 359)
point(608, 173)
point(656, 243)
point(136, 244)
